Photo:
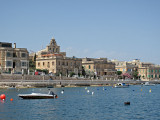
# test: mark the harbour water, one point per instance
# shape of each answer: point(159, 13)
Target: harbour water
point(80, 103)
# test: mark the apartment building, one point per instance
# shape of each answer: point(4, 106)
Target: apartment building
point(124, 67)
point(14, 59)
point(99, 67)
point(149, 71)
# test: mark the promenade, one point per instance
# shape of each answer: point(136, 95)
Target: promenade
point(67, 83)
point(54, 81)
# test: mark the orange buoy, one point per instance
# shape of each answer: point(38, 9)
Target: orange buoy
point(11, 99)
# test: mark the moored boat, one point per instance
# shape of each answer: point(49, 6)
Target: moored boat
point(37, 96)
point(148, 84)
point(121, 85)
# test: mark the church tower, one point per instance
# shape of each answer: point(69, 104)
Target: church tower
point(53, 47)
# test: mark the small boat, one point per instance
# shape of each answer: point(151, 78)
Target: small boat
point(38, 96)
point(148, 84)
point(121, 85)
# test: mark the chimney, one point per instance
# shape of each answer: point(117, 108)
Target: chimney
point(14, 45)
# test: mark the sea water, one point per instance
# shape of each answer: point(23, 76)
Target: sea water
point(84, 103)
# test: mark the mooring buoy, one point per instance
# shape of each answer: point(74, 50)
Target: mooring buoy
point(127, 103)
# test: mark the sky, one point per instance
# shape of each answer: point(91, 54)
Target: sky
point(113, 29)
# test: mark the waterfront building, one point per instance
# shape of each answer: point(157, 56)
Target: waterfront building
point(135, 62)
point(56, 62)
point(149, 71)
point(146, 71)
point(124, 67)
point(13, 60)
point(99, 67)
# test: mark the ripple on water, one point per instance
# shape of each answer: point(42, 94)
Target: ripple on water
point(77, 104)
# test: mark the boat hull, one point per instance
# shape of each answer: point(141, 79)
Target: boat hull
point(37, 96)
point(148, 84)
point(121, 86)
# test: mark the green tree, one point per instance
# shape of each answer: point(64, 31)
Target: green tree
point(32, 65)
point(71, 74)
point(119, 72)
point(135, 74)
point(43, 70)
point(83, 71)
point(35, 57)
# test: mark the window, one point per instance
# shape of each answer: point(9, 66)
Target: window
point(152, 76)
point(48, 64)
point(23, 64)
point(52, 63)
point(38, 64)
point(8, 63)
point(23, 55)
point(89, 67)
point(14, 54)
point(8, 54)
point(43, 63)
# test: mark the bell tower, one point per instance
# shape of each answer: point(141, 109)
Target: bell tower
point(53, 47)
point(53, 42)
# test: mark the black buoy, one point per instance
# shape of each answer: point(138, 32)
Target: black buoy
point(127, 103)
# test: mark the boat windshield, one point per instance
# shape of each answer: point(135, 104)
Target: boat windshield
point(51, 93)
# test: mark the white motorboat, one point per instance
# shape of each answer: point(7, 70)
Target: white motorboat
point(148, 84)
point(38, 96)
point(121, 85)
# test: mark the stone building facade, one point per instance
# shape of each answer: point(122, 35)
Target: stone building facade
point(100, 67)
point(146, 71)
point(14, 60)
point(149, 71)
point(56, 62)
point(126, 67)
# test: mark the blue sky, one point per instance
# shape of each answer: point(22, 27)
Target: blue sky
point(116, 29)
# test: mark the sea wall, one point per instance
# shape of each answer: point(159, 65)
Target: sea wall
point(35, 77)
